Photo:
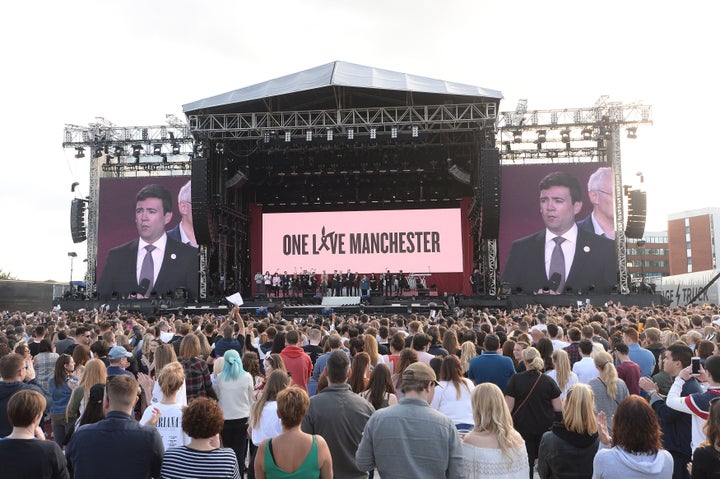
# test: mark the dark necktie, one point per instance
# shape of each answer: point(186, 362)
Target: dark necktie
point(557, 262)
point(147, 270)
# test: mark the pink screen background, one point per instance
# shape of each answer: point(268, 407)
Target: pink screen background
point(445, 221)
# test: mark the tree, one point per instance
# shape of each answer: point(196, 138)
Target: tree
point(6, 275)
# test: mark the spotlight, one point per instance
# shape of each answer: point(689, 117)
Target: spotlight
point(136, 152)
point(517, 136)
point(98, 153)
point(157, 149)
point(393, 132)
point(373, 133)
point(632, 132)
point(565, 136)
point(144, 134)
point(541, 136)
point(587, 134)
point(80, 152)
point(266, 137)
point(220, 148)
point(351, 133)
point(415, 131)
point(329, 134)
point(288, 137)
point(175, 148)
point(119, 151)
point(308, 135)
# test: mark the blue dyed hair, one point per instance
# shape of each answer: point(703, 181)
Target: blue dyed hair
point(232, 366)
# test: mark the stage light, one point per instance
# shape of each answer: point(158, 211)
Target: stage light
point(144, 134)
point(373, 133)
point(157, 149)
point(220, 148)
point(632, 132)
point(565, 136)
point(175, 148)
point(541, 136)
point(507, 146)
point(136, 152)
point(308, 135)
point(517, 136)
point(351, 134)
point(554, 118)
point(80, 152)
point(98, 153)
point(587, 134)
point(329, 134)
point(415, 131)
point(288, 137)
point(266, 137)
point(393, 132)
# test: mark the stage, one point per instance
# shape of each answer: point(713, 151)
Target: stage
point(347, 305)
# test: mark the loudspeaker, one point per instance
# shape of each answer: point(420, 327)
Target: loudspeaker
point(200, 184)
point(77, 220)
point(637, 212)
point(490, 193)
point(423, 292)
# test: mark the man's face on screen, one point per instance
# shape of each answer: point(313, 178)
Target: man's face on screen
point(150, 219)
point(557, 209)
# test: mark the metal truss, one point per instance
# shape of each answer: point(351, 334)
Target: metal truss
point(615, 158)
point(570, 135)
point(203, 253)
point(172, 166)
point(361, 121)
point(92, 227)
point(490, 265)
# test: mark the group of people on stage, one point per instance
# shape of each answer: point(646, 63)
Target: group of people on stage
point(336, 283)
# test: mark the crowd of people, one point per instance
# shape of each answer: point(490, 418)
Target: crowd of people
point(611, 391)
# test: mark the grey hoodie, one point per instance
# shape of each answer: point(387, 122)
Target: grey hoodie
point(616, 462)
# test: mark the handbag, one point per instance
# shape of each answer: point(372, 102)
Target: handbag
point(528, 395)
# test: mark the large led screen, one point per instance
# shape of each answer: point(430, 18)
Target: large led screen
point(126, 224)
point(573, 194)
point(419, 241)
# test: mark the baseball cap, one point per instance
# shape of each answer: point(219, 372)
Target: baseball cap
point(419, 372)
point(118, 352)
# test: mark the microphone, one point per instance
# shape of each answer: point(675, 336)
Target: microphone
point(143, 286)
point(555, 281)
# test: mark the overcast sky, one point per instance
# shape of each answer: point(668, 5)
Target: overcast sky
point(132, 62)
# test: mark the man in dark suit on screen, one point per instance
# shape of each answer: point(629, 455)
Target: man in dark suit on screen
point(561, 258)
point(153, 262)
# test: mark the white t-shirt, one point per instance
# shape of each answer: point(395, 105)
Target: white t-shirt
point(573, 379)
point(181, 397)
point(169, 425)
point(446, 401)
point(270, 425)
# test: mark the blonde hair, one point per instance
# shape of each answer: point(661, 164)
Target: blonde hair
point(562, 367)
point(491, 414)
point(371, 348)
point(608, 373)
point(533, 359)
point(468, 351)
point(171, 378)
point(579, 410)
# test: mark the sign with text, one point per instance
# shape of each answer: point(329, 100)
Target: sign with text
point(419, 241)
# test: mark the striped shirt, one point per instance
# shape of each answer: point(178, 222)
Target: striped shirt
point(185, 463)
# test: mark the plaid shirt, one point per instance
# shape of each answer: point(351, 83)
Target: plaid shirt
point(45, 368)
point(573, 351)
point(197, 379)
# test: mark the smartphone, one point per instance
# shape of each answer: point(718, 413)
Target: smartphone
point(695, 361)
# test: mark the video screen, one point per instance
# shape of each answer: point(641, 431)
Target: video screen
point(584, 260)
point(413, 241)
point(162, 219)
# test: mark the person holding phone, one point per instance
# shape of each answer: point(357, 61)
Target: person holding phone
point(696, 404)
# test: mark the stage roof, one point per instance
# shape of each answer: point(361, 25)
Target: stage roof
point(339, 85)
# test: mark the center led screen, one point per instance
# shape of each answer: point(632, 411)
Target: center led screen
point(420, 241)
